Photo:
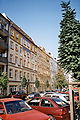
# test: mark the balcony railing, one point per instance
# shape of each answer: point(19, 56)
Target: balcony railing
point(3, 60)
point(3, 31)
point(3, 44)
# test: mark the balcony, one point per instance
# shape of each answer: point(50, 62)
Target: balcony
point(3, 60)
point(3, 31)
point(3, 45)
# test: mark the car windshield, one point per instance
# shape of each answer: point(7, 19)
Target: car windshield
point(59, 102)
point(16, 106)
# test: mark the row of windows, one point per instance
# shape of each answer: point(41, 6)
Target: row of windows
point(20, 50)
point(22, 40)
point(19, 74)
point(21, 62)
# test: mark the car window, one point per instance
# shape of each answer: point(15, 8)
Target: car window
point(67, 98)
point(59, 102)
point(46, 103)
point(16, 106)
point(34, 102)
point(1, 105)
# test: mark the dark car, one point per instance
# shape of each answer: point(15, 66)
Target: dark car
point(56, 108)
point(18, 94)
point(33, 94)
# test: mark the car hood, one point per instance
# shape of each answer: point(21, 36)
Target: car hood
point(28, 115)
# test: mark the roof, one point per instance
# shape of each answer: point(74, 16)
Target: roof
point(8, 99)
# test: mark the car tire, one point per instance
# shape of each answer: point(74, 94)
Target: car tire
point(51, 117)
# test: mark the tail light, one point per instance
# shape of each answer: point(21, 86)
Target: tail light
point(62, 111)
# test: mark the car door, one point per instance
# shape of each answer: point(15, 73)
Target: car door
point(47, 107)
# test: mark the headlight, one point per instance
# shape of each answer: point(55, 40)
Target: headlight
point(49, 119)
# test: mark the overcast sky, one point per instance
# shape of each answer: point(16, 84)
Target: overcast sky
point(39, 19)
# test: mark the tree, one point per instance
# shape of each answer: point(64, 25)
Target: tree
point(37, 83)
point(4, 82)
point(69, 49)
point(25, 83)
point(60, 80)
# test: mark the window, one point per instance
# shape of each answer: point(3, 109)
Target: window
point(24, 62)
point(24, 52)
point(16, 60)
point(21, 51)
point(1, 105)
point(21, 39)
point(34, 102)
point(20, 75)
point(33, 48)
point(28, 44)
point(10, 73)
point(25, 74)
point(12, 33)
point(11, 58)
point(11, 45)
point(46, 103)
point(20, 62)
point(28, 54)
point(25, 42)
point(17, 36)
point(16, 74)
point(16, 47)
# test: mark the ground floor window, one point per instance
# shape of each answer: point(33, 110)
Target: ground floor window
point(12, 88)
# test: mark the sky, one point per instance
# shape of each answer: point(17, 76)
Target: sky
point(40, 19)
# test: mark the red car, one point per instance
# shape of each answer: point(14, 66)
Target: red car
point(54, 107)
point(17, 109)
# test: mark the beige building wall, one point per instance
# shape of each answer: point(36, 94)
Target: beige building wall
point(43, 68)
point(21, 59)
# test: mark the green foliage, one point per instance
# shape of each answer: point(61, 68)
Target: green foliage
point(47, 83)
point(24, 82)
point(60, 80)
point(69, 49)
point(4, 80)
point(37, 83)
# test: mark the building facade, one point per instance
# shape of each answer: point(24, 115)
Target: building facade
point(43, 68)
point(4, 35)
point(21, 57)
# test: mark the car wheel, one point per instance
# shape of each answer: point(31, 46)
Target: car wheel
point(51, 117)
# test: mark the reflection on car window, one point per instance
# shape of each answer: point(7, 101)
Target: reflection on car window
point(59, 102)
point(46, 103)
point(16, 106)
point(34, 102)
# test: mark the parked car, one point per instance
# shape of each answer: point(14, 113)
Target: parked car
point(76, 96)
point(33, 94)
point(54, 107)
point(17, 109)
point(64, 97)
point(18, 94)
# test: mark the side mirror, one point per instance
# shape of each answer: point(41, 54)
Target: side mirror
point(1, 112)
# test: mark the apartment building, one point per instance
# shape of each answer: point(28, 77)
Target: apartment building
point(53, 71)
point(20, 56)
point(43, 68)
point(4, 35)
point(21, 59)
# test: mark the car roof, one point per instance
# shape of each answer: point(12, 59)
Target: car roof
point(8, 99)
